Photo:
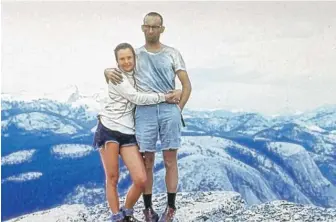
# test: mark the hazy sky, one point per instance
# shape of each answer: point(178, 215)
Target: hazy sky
point(271, 57)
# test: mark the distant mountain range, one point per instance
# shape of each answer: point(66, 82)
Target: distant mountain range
point(47, 158)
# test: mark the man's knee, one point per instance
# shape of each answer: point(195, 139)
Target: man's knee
point(149, 159)
point(170, 162)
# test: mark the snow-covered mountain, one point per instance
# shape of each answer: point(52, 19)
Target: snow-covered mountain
point(47, 159)
point(230, 124)
point(324, 117)
point(317, 141)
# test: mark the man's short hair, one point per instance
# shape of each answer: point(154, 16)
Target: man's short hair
point(154, 14)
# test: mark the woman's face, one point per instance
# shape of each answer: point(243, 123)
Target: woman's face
point(125, 59)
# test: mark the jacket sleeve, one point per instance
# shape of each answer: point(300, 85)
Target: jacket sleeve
point(126, 90)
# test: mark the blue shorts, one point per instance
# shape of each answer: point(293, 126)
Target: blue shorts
point(104, 135)
point(158, 122)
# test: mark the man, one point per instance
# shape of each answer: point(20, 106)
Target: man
point(157, 66)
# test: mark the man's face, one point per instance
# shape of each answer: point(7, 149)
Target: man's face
point(125, 59)
point(152, 28)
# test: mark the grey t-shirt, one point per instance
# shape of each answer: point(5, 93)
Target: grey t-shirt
point(156, 71)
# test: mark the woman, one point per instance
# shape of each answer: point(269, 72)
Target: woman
point(115, 134)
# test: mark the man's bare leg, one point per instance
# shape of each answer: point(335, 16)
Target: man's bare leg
point(149, 159)
point(170, 161)
point(150, 214)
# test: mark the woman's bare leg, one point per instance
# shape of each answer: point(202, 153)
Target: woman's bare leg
point(134, 163)
point(109, 156)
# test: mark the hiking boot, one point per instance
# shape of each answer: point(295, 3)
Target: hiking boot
point(128, 213)
point(168, 215)
point(150, 215)
point(130, 219)
point(119, 217)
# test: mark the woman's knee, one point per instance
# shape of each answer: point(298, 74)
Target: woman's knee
point(140, 180)
point(112, 179)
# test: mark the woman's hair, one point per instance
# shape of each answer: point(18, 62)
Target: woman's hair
point(124, 46)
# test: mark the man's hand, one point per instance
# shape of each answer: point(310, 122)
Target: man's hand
point(173, 96)
point(114, 75)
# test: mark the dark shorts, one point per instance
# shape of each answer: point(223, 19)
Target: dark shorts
point(104, 135)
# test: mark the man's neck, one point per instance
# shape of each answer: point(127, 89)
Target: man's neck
point(153, 47)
